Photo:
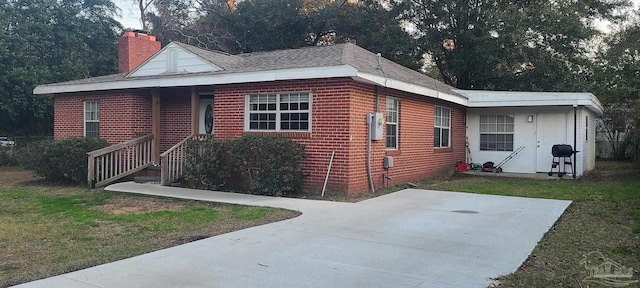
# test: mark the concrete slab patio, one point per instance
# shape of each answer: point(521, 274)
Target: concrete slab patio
point(411, 238)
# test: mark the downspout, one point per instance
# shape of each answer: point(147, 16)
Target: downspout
point(575, 138)
point(369, 120)
point(369, 136)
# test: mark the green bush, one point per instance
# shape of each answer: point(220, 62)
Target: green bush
point(206, 164)
point(256, 165)
point(60, 160)
point(7, 156)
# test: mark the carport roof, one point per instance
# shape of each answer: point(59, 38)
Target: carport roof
point(484, 99)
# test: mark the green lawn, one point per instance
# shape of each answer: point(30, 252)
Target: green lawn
point(48, 230)
point(604, 217)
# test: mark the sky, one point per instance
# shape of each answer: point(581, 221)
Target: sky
point(130, 16)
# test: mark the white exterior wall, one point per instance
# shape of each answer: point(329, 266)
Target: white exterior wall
point(588, 147)
point(533, 158)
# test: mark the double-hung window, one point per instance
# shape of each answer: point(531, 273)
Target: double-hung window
point(442, 127)
point(92, 119)
point(392, 122)
point(496, 132)
point(278, 112)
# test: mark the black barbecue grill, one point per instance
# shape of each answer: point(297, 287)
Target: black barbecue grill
point(561, 158)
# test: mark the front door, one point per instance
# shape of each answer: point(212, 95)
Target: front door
point(206, 114)
point(551, 129)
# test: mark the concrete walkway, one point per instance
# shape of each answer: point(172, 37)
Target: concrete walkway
point(411, 238)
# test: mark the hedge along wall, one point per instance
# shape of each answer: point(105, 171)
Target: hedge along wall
point(256, 165)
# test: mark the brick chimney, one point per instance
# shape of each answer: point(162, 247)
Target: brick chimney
point(135, 47)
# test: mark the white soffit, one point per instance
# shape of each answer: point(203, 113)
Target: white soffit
point(483, 99)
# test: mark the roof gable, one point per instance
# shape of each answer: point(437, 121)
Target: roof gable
point(176, 59)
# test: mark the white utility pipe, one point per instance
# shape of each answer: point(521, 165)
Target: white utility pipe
point(326, 178)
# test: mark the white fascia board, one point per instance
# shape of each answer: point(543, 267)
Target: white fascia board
point(203, 79)
point(481, 99)
point(411, 88)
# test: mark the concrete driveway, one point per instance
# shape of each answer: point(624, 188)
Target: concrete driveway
point(411, 238)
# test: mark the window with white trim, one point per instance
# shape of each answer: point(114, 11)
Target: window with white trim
point(289, 112)
point(92, 119)
point(393, 106)
point(496, 132)
point(442, 127)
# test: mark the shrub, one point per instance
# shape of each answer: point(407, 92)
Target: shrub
point(60, 160)
point(7, 156)
point(269, 165)
point(206, 163)
point(257, 165)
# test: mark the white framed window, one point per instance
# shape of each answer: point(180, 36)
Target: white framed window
point(393, 108)
point(496, 132)
point(277, 112)
point(92, 119)
point(442, 127)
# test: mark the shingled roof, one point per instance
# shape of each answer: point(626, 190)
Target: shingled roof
point(340, 60)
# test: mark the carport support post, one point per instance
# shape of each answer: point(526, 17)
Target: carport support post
point(575, 135)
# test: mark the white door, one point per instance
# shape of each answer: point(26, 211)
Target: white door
point(206, 114)
point(551, 129)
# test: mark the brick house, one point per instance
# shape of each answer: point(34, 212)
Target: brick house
point(325, 98)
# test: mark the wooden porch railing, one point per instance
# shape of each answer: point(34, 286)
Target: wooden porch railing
point(116, 161)
point(172, 160)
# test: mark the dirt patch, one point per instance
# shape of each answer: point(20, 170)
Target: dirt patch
point(122, 205)
point(9, 179)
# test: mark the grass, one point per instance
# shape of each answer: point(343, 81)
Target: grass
point(49, 230)
point(604, 217)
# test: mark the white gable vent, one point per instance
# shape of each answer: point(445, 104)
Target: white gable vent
point(172, 60)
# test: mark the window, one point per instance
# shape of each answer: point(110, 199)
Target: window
point(278, 112)
point(496, 132)
point(92, 119)
point(442, 127)
point(392, 123)
point(586, 128)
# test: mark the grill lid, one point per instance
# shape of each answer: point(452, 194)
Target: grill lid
point(562, 150)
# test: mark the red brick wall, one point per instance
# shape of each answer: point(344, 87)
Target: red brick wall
point(124, 115)
point(175, 116)
point(415, 158)
point(329, 132)
point(339, 110)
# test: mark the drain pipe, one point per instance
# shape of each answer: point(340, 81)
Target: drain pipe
point(369, 120)
point(369, 123)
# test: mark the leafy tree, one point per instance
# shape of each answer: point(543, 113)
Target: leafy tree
point(264, 25)
point(504, 44)
point(617, 84)
point(45, 41)
point(373, 27)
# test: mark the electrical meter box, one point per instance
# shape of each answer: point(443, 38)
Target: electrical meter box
point(388, 162)
point(377, 124)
